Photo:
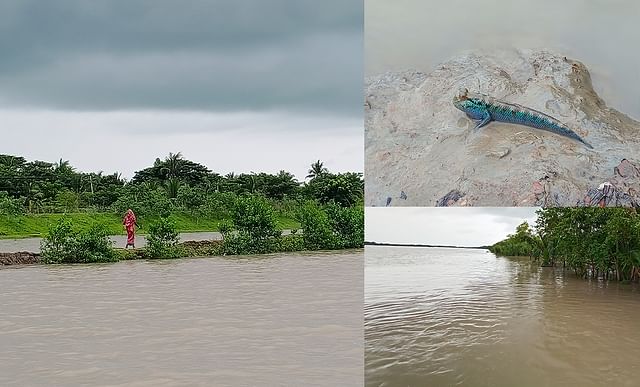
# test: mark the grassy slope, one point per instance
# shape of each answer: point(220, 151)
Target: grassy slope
point(37, 225)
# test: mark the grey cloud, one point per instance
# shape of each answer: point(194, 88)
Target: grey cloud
point(195, 55)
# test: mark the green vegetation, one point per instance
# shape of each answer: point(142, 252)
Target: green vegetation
point(63, 244)
point(35, 195)
point(162, 239)
point(252, 229)
point(77, 211)
point(36, 225)
point(592, 242)
point(522, 243)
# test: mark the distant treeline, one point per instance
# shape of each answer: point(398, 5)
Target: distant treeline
point(421, 245)
point(170, 184)
point(593, 242)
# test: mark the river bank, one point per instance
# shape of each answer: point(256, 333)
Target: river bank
point(190, 245)
point(37, 225)
point(27, 251)
point(32, 245)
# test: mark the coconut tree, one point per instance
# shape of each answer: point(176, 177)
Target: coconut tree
point(171, 167)
point(317, 169)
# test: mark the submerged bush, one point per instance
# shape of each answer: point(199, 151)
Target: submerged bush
point(162, 239)
point(64, 245)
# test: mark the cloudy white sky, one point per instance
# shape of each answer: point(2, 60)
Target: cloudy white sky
point(244, 85)
point(459, 226)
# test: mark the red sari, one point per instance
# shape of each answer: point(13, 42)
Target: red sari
point(129, 223)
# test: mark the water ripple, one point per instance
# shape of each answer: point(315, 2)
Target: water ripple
point(463, 317)
point(275, 320)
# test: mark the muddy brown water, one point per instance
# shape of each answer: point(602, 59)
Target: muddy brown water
point(275, 320)
point(457, 317)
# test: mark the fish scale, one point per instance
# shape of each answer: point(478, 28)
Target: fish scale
point(486, 109)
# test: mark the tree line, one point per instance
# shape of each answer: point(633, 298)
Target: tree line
point(170, 184)
point(593, 242)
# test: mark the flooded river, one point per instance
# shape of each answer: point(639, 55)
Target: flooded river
point(447, 317)
point(278, 320)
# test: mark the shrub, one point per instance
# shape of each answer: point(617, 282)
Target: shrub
point(9, 205)
point(347, 224)
point(317, 233)
point(241, 243)
point(63, 245)
point(162, 239)
point(191, 199)
point(288, 243)
point(254, 216)
point(68, 200)
point(253, 227)
point(226, 228)
point(218, 204)
point(145, 200)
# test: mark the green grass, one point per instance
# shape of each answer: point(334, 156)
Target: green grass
point(25, 226)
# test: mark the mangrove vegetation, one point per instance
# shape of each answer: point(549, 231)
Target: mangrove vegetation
point(592, 242)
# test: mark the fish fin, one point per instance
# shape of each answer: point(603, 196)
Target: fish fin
point(486, 118)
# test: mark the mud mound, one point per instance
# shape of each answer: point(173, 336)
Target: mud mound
point(19, 258)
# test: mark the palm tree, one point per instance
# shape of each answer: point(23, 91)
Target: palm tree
point(172, 186)
point(172, 165)
point(63, 167)
point(317, 169)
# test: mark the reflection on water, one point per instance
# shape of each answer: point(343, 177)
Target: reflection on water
point(278, 320)
point(443, 317)
point(418, 34)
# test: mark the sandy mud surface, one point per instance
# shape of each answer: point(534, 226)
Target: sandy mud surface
point(421, 151)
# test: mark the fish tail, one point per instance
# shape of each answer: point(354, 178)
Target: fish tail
point(586, 144)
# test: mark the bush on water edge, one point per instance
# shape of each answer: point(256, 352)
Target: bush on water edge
point(252, 229)
point(62, 244)
point(162, 238)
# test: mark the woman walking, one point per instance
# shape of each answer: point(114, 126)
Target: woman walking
point(130, 224)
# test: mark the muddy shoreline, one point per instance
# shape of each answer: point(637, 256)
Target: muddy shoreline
point(19, 258)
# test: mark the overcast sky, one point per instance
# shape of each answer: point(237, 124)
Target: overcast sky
point(243, 85)
point(459, 226)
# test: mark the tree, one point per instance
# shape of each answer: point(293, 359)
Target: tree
point(345, 189)
point(175, 168)
point(317, 169)
point(593, 242)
